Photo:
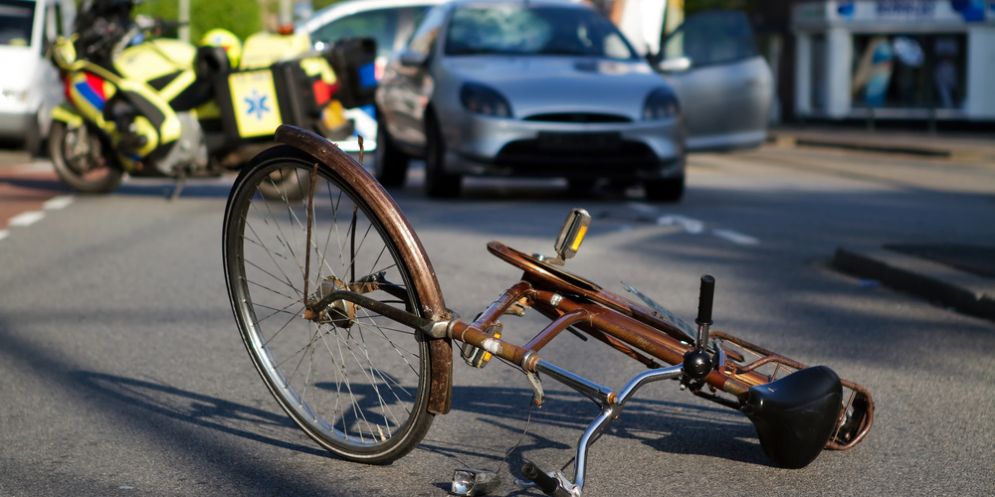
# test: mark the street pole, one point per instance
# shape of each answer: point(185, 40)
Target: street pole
point(184, 30)
point(285, 13)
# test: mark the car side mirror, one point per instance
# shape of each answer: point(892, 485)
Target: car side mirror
point(410, 58)
point(676, 64)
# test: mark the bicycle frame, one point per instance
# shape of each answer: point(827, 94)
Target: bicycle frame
point(582, 307)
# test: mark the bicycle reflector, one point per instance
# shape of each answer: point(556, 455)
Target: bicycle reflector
point(572, 233)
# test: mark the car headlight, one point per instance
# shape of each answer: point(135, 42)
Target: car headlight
point(661, 103)
point(15, 95)
point(481, 99)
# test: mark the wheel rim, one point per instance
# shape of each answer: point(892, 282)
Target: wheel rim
point(79, 153)
point(354, 381)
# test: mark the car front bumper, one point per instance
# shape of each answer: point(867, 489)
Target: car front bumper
point(485, 146)
point(14, 124)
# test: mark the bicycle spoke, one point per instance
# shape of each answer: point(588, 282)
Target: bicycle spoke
point(353, 378)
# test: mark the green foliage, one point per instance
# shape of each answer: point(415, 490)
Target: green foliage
point(320, 4)
point(241, 17)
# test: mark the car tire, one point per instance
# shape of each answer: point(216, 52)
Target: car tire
point(665, 190)
point(390, 165)
point(438, 182)
point(33, 140)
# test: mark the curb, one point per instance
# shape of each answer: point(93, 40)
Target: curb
point(963, 291)
point(967, 153)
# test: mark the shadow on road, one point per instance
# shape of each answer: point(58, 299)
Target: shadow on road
point(198, 409)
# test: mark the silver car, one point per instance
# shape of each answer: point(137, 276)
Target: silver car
point(536, 88)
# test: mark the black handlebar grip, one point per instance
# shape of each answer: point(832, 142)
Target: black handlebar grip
point(705, 295)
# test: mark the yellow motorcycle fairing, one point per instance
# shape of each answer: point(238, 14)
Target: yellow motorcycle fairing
point(63, 113)
point(90, 87)
point(154, 59)
point(262, 49)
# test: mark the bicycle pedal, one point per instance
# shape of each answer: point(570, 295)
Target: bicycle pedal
point(477, 357)
point(470, 482)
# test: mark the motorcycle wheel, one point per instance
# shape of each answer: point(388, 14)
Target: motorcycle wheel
point(287, 184)
point(79, 162)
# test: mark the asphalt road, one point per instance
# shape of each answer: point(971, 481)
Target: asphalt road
point(121, 372)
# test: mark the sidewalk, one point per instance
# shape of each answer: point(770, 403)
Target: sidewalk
point(958, 276)
point(957, 146)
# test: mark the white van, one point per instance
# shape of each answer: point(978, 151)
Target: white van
point(29, 83)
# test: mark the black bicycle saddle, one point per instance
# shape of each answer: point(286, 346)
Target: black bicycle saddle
point(796, 415)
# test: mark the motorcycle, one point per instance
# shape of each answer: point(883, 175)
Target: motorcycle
point(147, 106)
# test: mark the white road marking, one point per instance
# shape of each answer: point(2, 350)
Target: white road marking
point(59, 202)
point(736, 237)
point(643, 208)
point(26, 218)
point(692, 226)
point(4, 234)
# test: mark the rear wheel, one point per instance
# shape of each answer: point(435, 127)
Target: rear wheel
point(438, 182)
point(355, 381)
point(79, 161)
point(389, 163)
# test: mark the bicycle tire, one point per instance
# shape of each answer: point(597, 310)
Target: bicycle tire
point(390, 436)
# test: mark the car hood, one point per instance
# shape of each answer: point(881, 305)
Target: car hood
point(535, 85)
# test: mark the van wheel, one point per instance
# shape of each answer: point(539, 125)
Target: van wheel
point(79, 161)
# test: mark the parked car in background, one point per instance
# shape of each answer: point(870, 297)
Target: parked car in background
point(538, 88)
point(711, 59)
point(389, 22)
point(29, 84)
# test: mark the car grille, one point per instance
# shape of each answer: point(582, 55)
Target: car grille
point(578, 117)
point(536, 157)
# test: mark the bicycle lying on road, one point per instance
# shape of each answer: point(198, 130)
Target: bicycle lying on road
point(344, 319)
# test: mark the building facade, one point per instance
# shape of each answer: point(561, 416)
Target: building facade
point(900, 59)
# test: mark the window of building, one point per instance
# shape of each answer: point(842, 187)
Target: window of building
point(909, 70)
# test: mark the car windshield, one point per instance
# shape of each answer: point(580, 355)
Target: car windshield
point(16, 18)
point(534, 30)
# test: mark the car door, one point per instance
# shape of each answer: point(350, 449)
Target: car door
point(407, 84)
point(724, 85)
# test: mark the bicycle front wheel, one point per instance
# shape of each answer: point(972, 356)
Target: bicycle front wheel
point(355, 381)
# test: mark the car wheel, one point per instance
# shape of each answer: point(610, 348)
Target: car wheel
point(33, 138)
point(438, 182)
point(390, 165)
point(665, 190)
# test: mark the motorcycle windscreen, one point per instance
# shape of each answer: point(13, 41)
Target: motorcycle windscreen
point(254, 102)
